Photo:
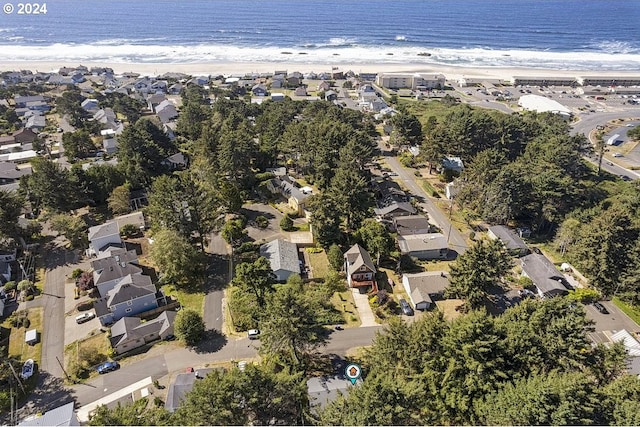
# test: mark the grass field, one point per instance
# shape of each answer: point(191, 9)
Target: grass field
point(17, 347)
point(343, 302)
point(191, 300)
point(96, 348)
point(319, 264)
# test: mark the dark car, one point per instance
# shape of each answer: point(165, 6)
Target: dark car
point(107, 367)
point(406, 308)
point(601, 308)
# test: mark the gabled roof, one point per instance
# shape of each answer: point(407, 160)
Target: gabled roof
point(395, 206)
point(282, 255)
point(356, 257)
point(110, 269)
point(508, 237)
point(422, 242)
point(423, 285)
point(103, 230)
point(130, 328)
point(129, 288)
point(411, 224)
point(540, 270)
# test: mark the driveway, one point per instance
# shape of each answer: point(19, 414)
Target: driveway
point(616, 320)
point(272, 231)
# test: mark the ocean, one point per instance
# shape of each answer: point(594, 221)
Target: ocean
point(549, 34)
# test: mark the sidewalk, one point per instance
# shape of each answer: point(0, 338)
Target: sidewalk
point(361, 302)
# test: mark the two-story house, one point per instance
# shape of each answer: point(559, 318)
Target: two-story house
point(132, 295)
point(361, 273)
point(103, 236)
point(112, 266)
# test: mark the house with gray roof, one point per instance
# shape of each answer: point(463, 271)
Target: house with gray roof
point(425, 288)
point(10, 173)
point(166, 111)
point(36, 122)
point(411, 224)
point(102, 236)
point(182, 385)
point(511, 241)
point(112, 266)
point(283, 257)
point(361, 272)
point(424, 246)
point(132, 295)
point(287, 187)
point(324, 390)
point(395, 209)
point(453, 163)
point(130, 333)
point(61, 416)
point(544, 275)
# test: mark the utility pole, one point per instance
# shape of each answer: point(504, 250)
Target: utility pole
point(63, 370)
point(450, 223)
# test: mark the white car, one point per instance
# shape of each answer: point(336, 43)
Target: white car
point(630, 125)
point(253, 334)
point(85, 317)
point(617, 154)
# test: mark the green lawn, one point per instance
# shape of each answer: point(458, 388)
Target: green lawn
point(17, 347)
point(192, 300)
point(629, 310)
point(319, 264)
point(343, 302)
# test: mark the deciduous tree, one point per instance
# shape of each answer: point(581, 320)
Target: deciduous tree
point(189, 326)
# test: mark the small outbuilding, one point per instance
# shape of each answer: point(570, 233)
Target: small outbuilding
point(31, 337)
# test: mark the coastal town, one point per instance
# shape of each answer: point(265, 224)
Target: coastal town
point(163, 234)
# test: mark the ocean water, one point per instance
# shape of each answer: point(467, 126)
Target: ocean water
point(554, 34)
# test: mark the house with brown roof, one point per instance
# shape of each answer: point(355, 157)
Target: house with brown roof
point(361, 272)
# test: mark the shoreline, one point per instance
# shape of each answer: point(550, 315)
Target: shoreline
point(241, 68)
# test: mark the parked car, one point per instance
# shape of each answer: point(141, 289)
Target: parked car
point(85, 317)
point(601, 308)
point(27, 369)
point(406, 308)
point(107, 367)
point(253, 334)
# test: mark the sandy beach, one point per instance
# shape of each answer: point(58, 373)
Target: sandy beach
point(239, 69)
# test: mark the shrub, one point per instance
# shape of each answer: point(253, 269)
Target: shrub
point(76, 273)
point(9, 286)
point(525, 282)
point(85, 282)
point(262, 222)
point(264, 176)
point(314, 250)
point(584, 296)
point(29, 297)
point(189, 326)
point(129, 230)
point(247, 247)
point(84, 306)
point(286, 223)
point(472, 235)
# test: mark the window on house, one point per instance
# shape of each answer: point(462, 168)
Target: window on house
point(129, 303)
point(128, 310)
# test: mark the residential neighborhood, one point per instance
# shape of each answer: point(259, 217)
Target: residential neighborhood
point(165, 234)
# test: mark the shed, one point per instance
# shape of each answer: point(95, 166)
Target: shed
point(31, 337)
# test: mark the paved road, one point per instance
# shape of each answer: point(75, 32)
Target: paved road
point(588, 123)
point(52, 301)
point(456, 240)
point(178, 359)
